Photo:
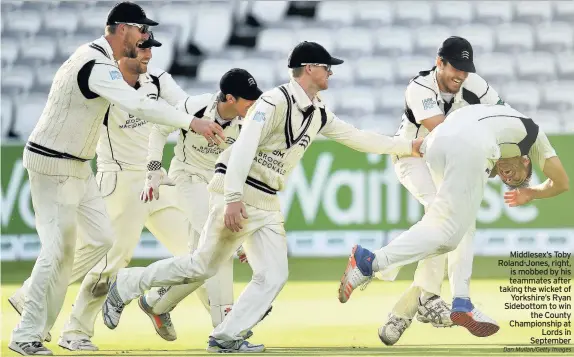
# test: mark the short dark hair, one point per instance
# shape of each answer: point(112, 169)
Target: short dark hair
point(526, 181)
point(297, 72)
point(111, 29)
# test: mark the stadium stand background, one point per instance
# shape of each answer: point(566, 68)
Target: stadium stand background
point(523, 48)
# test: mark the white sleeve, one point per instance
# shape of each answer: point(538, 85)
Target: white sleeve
point(169, 90)
point(156, 141)
point(364, 141)
point(541, 150)
point(244, 149)
point(422, 101)
point(107, 81)
point(486, 94)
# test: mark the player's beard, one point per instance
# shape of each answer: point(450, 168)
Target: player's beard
point(130, 50)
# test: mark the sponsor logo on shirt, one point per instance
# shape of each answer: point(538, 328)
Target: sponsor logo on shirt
point(115, 74)
point(500, 102)
point(429, 103)
point(259, 116)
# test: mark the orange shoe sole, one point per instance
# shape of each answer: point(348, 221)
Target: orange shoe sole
point(345, 289)
point(477, 328)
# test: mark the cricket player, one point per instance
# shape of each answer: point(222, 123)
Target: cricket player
point(244, 205)
point(65, 195)
point(472, 144)
point(429, 97)
point(191, 169)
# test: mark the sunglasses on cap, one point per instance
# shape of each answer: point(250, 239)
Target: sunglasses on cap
point(141, 27)
point(327, 66)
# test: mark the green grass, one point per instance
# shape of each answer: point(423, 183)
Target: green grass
point(307, 319)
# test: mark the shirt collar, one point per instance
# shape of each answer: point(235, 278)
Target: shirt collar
point(301, 98)
point(106, 45)
point(457, 96)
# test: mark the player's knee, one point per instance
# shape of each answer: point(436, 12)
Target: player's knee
point(273, 280)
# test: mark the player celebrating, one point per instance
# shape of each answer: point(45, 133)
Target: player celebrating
point(503, 140)
point(191, 169)
point(244, 205)
point(429, 97)
point(64, 192)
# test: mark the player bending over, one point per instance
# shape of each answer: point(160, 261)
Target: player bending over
point(503, 142)
point(429, 97)
point(244, 205)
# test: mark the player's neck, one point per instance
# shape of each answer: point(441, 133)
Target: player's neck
point(225, 112)
point(116, 45)
point(309, 89)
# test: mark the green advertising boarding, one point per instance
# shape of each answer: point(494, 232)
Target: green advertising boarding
point(337, 189)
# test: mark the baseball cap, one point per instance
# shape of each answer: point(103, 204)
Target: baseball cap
point(150, 42)
point(458, 52)
point(128, 12)
point(311, 52)
point(239, 83)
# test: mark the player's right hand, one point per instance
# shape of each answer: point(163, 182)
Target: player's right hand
point(234, 213)
point(153, 180)
point(210, 130)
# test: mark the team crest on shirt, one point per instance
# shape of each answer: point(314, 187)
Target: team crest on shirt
point(115, 74)
point(429, 103)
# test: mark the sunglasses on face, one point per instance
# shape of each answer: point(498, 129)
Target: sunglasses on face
point(142, 28)
point(327, 66)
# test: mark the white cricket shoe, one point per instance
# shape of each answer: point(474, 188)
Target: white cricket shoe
point(83, 344)
point(17, 302)
point(30, 348)
point(477, 323)
point(392, 331)
point(236, 346)
point(113, 308)
point(161, 323)
point(359, 271)
point(436, 311)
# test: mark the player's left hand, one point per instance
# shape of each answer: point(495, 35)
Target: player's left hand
point(241, 255)
point(417, 147)
point(234, 213)
point(153, 180)
point(518, 197)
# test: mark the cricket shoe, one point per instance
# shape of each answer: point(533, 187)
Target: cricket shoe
point(17, 302)
point(464, 314)
point(436, 311)
point(359, 271)
point(30, 348)
point(162, 322)
point(392, 331)
point(83, 344)
point(113, 307)
point(235, 346)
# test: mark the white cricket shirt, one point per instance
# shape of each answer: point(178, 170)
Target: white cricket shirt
point(424, 100)
point(123, 143)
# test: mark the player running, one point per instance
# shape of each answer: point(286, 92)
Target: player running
point(64, 191)
point(191, 169)
point(504, 142)
point(244, 205)
point(451, 84)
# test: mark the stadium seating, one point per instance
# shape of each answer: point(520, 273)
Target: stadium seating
point(524, 49)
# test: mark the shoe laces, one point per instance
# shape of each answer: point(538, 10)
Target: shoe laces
point(363, 286)
point(166, 318)
point(399, 323)
point(34, 344)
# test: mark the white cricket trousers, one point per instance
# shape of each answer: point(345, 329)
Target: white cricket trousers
point(265, 243)
point(129, 215)
point(413, 173)
point(64, 206)
point(217, 292)
point(459, 168)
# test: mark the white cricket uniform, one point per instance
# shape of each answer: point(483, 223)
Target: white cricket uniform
point(278, 129)
point(192, 167)
point(122, 167)
point(423, 100)
point(460, 154)
point(64, 191)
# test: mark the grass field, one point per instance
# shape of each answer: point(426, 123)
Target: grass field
point(307, 319)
